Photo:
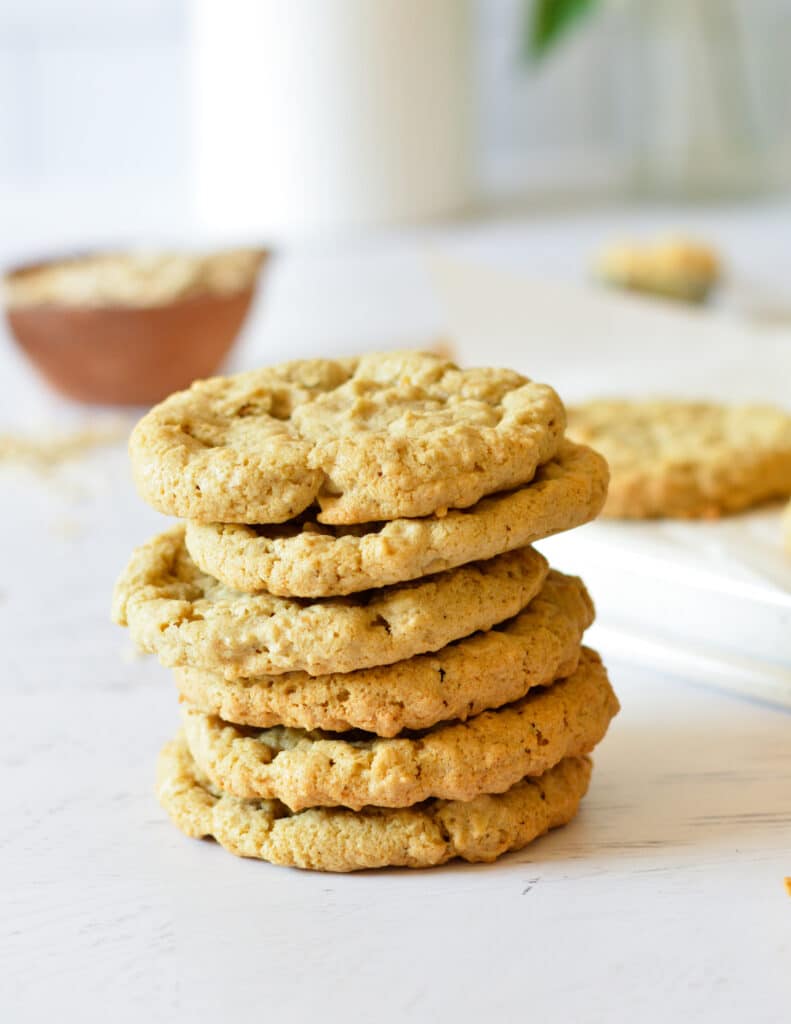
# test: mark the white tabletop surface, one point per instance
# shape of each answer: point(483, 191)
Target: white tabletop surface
point(663, 900)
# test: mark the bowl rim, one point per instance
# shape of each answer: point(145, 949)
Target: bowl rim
point(32, 265)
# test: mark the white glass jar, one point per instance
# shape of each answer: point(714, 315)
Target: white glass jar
point(327, 115)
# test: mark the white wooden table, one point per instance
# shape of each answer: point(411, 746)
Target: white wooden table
point(663, 901)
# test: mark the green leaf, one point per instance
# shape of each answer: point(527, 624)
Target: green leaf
point(550, 20)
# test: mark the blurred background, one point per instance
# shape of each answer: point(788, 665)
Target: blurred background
point(139, 119)
point(378, 161)
point(351, 138)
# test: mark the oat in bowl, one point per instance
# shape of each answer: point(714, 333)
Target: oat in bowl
point(129, 328)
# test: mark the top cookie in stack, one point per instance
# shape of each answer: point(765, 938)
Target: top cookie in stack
point(386, 444)
point(356, 554)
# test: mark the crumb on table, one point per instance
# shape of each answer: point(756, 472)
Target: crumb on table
point(49, 450)
point(675, 268)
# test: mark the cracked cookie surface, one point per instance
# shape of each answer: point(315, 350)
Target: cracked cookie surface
point(471, 675)
point(308, 559)
point(373, 438)
point(188, 618)
point(452, 761)
point(686, 459)
point(335, 839)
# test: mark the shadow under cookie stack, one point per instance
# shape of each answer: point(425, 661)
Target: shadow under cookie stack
point(374, 665)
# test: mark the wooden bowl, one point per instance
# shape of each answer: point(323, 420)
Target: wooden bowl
point(129, 355)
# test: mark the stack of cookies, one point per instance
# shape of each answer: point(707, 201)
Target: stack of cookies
point(375, 666)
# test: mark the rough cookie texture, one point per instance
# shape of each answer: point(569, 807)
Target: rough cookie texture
point(306, 559)
point(189, 619)
point(379, 437)
point(334, 839)
point(483, 671)
point(452, 761)
point(686, 459)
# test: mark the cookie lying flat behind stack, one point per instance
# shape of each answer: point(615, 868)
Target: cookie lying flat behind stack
point(671, 458)
point(376, 668)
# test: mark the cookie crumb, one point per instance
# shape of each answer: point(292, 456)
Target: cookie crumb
point(674, 268)
point(49, 450)
point(66, 529)
point(444, 348)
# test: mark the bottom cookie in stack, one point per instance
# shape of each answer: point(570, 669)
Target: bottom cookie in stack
point(471, 789)
point(337, 839)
